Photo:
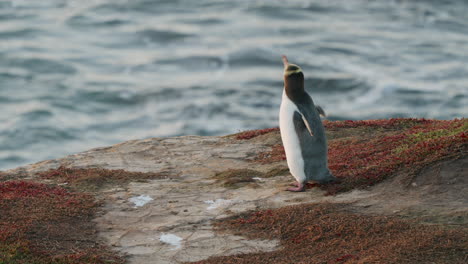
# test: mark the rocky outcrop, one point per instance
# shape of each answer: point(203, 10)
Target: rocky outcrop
point(169, 219)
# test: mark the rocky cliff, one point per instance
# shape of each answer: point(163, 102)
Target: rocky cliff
point(191, 198)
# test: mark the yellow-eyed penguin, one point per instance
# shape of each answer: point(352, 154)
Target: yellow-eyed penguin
point(302, 131)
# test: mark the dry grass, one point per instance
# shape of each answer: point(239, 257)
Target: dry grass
point(277, 171)
point(93, 179)
point(237, 178)
point(325, 233)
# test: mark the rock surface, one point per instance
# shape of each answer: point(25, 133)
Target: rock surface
point(169, 220)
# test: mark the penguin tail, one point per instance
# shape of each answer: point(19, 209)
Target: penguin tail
point(331, 179)
point(320, 111)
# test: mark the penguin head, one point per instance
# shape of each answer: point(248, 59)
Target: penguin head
point(291, 69)
point(293, 77)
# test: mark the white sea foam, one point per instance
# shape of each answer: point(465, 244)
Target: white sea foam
point(395, 70)
point(140, 200)
point(171, 239)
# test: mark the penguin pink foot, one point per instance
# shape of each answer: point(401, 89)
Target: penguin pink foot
point(300, 188)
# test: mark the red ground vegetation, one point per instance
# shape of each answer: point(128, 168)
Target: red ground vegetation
point(48, 224)
point(360, 162)
point(392, 123)
point(384, 147)
point(274, 155)
point(380, 123)
point(254, 133)
point(324, 233)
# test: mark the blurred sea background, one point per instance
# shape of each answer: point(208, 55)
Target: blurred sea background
point(78, 74)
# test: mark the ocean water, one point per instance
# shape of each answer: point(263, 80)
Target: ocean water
point(77, 74)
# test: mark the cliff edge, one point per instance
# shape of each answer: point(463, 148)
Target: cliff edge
point(222, 200)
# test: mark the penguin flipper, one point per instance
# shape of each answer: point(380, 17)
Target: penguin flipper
point(310, 112)
point(301, 121)
point(307, 125)
point(320, 111)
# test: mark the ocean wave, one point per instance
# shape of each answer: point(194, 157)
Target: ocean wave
point(20, 33)
point(85, 22)
point(81, 74)
point(160, 36)
point(253, 57)
point(193, 63)
point(39, 65)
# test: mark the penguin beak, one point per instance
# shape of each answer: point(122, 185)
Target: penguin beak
point(285, 61)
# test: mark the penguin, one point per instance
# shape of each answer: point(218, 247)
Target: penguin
point(302, 131)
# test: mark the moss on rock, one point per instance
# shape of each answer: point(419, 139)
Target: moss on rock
point(236, 178)
point(93, 179)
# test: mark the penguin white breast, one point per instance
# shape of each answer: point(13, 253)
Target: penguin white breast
point(290, 139)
